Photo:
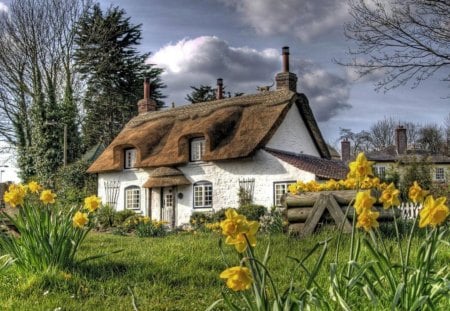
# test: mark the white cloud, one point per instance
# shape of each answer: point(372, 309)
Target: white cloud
point(3, 7)
point(303, 19)
point(192, 62)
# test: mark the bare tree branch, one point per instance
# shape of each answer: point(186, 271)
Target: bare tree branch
point(407, 40)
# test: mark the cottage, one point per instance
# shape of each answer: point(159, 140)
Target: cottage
point(169, 163)
point(400, 156)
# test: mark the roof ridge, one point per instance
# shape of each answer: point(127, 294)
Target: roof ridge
point(210, 106)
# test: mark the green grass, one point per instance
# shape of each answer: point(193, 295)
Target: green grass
point(177, 272)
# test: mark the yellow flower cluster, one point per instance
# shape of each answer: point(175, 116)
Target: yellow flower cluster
point(136, 220)
point(91, 204)
point(367, 218)
point(214, 226)
point(238, 230)
point(16, 194)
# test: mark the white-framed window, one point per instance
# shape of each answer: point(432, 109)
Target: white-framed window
point(379, 171)
point(203, 194)
point(280, 188)
point(130, 158)
point(132, 197)
point(197, 149)
point(439, 174)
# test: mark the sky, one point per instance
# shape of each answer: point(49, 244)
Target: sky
point(198, 41)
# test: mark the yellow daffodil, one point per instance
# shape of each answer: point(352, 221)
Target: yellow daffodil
point(349, 183)
point(80, 219)
point(434, 212)
point(233, 224)
point(292, 188)
point(238, 278)
point(389, 196)
point(47, 197)
point(363, 202)
point(360, 168)
point(92, 203)
point(34, 187)
point(248, 234)
point(238, 230)
point(416, 193)
point(368, 220)
point(15, 195)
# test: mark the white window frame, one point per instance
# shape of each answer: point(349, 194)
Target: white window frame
point(280, 188)
point(202, 194)
point(132, 198)
point(130, 158)
point(439, 174)
point(197, 149)
point(380, 171)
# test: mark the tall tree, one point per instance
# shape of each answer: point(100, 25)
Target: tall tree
point(431, 138)
point(107, 57)
point(408, 40)
point(35, 53)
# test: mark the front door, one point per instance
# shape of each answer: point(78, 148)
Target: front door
point(168, 206)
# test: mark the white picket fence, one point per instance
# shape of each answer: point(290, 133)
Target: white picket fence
point(409, 210)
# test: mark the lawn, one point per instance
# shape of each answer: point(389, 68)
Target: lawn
point(177, 272)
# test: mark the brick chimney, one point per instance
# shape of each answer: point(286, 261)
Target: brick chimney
point(401, 139)
point(345, 150)
point(286, 80)
point(147, 104)
point(219, 90)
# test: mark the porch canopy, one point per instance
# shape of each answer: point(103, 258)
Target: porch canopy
point(166, 177)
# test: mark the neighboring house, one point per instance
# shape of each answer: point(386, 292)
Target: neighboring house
point(399, 156)
point(169, 163)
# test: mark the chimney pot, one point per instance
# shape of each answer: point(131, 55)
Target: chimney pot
point(285, 53)
point(147, 103)
point(219, 90)
point(345, 150)
point(401, 139)
point(286, 80)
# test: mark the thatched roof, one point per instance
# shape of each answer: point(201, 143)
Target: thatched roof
point(232, 128)
point(165, 177)
point(322, 168)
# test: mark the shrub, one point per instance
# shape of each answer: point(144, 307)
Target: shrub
point(198, 220)
point(252, 211)
point(121, 216)
point(272, 222)
point(150, 228)
point(105, 217)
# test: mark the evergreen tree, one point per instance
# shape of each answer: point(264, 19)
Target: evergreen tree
point(106, 56)
point(206, 93)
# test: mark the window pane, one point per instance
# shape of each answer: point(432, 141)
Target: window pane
point(132, 197)
point(130, 158)
point(197, 149)
point(280, 189)
point(203, 195)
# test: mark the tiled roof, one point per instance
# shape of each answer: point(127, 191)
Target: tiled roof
point(323, 168)
point(390, 154)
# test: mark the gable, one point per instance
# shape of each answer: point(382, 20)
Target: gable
point(293, 136)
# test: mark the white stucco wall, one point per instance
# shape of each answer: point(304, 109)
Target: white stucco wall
point(293, 136)
point(224, 176)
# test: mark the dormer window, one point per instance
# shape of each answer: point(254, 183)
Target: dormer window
point(197, 149)
point(130, 158)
